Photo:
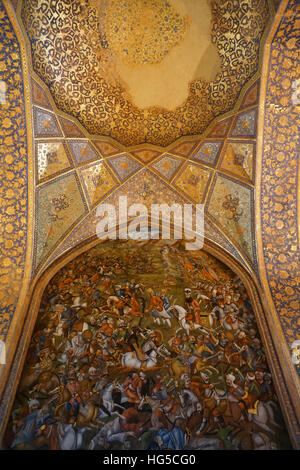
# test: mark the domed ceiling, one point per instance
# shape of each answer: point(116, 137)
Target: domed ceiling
point(145, 71)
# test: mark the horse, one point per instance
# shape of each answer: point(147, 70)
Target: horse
point(264, 416)
point(177, 368)
point(68, 437)
point(180, 315)
point(112, 303)
point(189, 401)
point(164, 316)
point(111, 432)
point(130, 359)
point(205, 443)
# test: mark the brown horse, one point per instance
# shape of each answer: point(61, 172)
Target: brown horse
point(177, 368)
point(231, 417)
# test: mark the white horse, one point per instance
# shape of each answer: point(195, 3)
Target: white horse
point(111, 432)
point(130, 359)
point(189, 402)
point(68, 437)
point(181, 317)
point(264, 416)
point(164, 316)
point(106, 394)
point(205, 443)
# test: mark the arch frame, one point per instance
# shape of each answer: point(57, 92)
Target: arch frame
point(273, 351)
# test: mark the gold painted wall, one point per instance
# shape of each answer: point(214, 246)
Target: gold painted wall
point(214, 153)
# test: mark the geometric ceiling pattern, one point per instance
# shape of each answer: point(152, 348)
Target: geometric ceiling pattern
point(208, 152)
point(193, 181)
point(82, 151)
point(98, 74)
point(92, 130)
point(97, 181)
point(59, 204)
point(201, 155)
point(238, 159)
point(167, 166)
point(46, 124)
point(218, 172)
point(52, 158)
point(230, 204)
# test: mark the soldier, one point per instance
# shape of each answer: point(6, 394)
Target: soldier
point(192, 307)
point(213, 403)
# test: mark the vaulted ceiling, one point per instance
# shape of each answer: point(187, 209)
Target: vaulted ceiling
point(185, 132)
point(145, 71)
point(154, 100)
point(75, 172)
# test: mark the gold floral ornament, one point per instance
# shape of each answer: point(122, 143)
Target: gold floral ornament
point(232, 204)
point(13, 173)
point(140, 32)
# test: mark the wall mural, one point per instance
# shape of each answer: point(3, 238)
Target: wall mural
point(146, 346)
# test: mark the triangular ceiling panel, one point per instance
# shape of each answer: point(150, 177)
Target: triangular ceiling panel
point(105, 148)
point(238, 159)
point(221, 128)
point(252, 95)
point(82, 151)
point(51, 159)
point(167, 166)
point(145, 155)
point(185, 148)
point(59, 205)
point(70, 129)
point(45, 124)
point(124, 166)
point(193, 181)
point(97, 181)
point(231, 205)
point(39, 96)
point(208, 152)
point(245, 124)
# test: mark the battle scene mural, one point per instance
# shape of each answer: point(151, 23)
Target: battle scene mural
point(143, 345)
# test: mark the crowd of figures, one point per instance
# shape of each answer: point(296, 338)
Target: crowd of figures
point(146, 348)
